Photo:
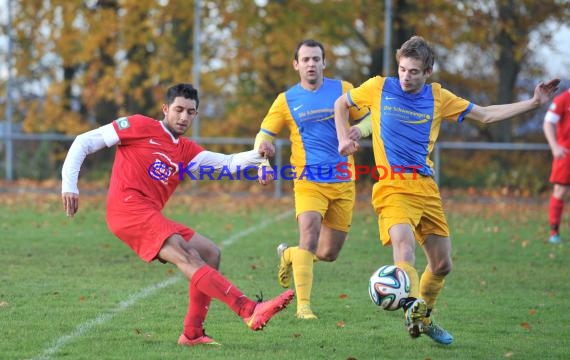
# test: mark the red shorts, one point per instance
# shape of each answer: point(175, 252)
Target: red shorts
point(560, 173)
point(141, 226)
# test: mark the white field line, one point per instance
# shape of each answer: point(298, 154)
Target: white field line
point(144, 293)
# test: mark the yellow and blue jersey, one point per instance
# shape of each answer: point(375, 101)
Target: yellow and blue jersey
point(309, 115)
point(405, 126)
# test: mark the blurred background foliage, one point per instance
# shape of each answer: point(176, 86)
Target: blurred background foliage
point(81, 64)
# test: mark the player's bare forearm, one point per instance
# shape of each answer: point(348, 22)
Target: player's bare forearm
point(550, 133)
point(341, 115)
point(493, 113)
point(558, 151)
point(346, 146)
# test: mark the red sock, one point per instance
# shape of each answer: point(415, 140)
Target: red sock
point(555, 214)
point(198, 304)
point(215, 285)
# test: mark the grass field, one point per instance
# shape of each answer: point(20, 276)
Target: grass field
point(70, 290)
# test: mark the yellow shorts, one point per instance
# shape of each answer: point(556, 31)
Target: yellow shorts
point(413, 201)
point(334, 201)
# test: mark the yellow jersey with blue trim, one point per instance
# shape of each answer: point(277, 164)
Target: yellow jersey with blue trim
point(309, 116)
point(405, 126)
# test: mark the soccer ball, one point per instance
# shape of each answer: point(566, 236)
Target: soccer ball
point(389, 287)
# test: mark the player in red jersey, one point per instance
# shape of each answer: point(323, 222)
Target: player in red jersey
point(557, 131)
point(152, 157)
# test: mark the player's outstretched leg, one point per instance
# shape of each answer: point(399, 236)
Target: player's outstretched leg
point(255, 314)
point(285, 270)
point(414, 313)
point(436, 332)
point(264, 311)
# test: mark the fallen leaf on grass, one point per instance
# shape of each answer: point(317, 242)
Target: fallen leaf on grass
point(526, 326)
point(532, 311)
point(340, 324)
point(509, 354)
point(342, 296)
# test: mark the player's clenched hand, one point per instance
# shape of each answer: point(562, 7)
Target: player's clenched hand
point(265, 175)
point(266, 149)
point(348, 147)
point(70, 203)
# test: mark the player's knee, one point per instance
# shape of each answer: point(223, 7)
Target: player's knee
point(193, 257)
point(213, 257)
point(327, 257)
point(443, 268)
point(210, 255)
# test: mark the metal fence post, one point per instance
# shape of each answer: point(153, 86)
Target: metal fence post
point(278, 192)
point(436, 163)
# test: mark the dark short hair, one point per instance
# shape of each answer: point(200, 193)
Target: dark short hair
point(309, 43)
point(417, 48)
point(185, 90)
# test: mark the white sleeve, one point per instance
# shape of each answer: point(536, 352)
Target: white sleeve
point(218, 161)
point(551, 117)
point(83, 145)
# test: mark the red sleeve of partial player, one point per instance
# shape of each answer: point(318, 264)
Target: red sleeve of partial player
point(561, 106)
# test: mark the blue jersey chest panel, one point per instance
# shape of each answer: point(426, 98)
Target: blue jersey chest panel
point(313, 113)
point(406, 121)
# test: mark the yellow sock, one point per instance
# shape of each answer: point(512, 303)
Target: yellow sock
point(430, 286)
point(413, 275)
point(302, 261)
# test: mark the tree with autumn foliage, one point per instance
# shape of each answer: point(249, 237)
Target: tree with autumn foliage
point(81, 64)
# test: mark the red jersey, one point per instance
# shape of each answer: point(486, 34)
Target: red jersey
point(559, 113)
point(147, 161)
